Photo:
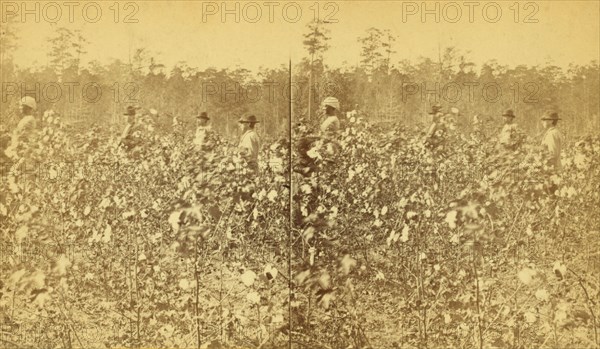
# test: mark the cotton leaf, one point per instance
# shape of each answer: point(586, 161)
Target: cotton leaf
point(105, 203)
point(404, 237)
point(300, 277)
point(306, 189)
point(455, 239)
point(308, 233)
point(526, 275)
point(253, 297)
point(174, 220)
point(272, 195)
point(107, 233)
point(248, 278)
point(392, 238)
point(530, 317)
point(384, 210)
point(262, 194)
point(451, 219)
point(62, 264)
point(277, 319)
point(447, 319)
point(87, 210)
point(542, 295)
point(21, 233)
point(312, 153)
point(560, 270)
point(326, 299)
point(325, 280)
point(127, 214)
point(347, 263)
point(270, 272)
point(184, 284)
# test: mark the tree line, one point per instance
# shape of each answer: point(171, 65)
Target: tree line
point(384, 90)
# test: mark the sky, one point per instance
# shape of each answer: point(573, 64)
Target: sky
point(556, 32)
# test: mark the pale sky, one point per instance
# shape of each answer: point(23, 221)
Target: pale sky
point(565, 32)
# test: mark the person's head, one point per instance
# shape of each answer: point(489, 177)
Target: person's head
point(329, 110)
point(28, 105)
point(436, 112)
point(509, 117)
point(130, 113)
point(247, 122)
point(550, 119)
point(202, 119)
point(330, 105)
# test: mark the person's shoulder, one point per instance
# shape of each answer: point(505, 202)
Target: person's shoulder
point(555, 132)
point(26, 122)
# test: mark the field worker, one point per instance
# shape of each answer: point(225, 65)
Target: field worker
point(331, 125)
point(130, 136)
point(477, 129)
point(25, 128)
point(27, 124)
point(249, 141)
point(177, 126)
point(452, 118)
point(203, 130)
point(509, 135)
point(553, 139)
point(437, 129)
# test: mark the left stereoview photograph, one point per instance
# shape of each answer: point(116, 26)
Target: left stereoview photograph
point(145, 189)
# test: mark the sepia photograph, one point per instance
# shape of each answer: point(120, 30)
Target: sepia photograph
point(300, 174)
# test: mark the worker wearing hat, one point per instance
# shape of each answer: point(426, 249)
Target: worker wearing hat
point(249, 142)
point(26, 126)
point(552, 140)
point(27, 123)
point(437, 129)
point(331, 125)
point(131, 131)
point(510, 137)
point(203, 130)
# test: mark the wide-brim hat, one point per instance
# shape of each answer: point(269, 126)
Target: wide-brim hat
point(550, 115)
point(509, 113)
point(435, 109)
point(332, 102)
point(249, 119)
point(203, 116)
point(29, 102)
point(131, 110)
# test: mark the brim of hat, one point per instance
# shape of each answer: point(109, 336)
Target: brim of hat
point(248, 122)
point(512, 116)
point(551, 119)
